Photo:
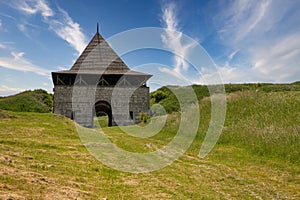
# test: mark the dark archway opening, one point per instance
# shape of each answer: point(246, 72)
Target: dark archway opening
point(103, 108)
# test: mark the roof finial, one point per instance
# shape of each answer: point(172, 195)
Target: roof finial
point(97, 27)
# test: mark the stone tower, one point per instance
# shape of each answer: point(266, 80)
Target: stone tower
point(99, 81)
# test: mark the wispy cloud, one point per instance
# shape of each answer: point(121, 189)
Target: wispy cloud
point(281, 60)
point(231, 56)
point(21, 27)
point(181, 79)
point(172, 39)
point(6, 90)
point(68, 30)
point(59, 22)
point(7, 16)
point(266, 33)
point(241, 18)
point(33, 7)
point(17, 62)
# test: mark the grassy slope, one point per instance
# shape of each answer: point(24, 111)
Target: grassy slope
point(257, 156)
point(171, 104)
point(28, 101)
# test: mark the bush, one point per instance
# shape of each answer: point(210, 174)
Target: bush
point(144, 117)
point(158, 96)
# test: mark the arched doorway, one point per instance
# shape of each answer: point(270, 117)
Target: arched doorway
point(103, 107)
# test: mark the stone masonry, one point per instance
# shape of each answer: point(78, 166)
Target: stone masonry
point(100, 81)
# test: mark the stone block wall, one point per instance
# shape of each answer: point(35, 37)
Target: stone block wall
point(78, 102)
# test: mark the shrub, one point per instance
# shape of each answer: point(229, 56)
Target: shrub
point(144, 117)
point(158, 96)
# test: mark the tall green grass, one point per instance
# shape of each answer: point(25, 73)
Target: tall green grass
point(261, 118)
point(267, 124)
point(171, 104)
point(42, 157)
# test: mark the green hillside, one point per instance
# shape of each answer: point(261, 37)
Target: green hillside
point(256, 157)
point(297, 83)
point(28, 101)
point(167, 98)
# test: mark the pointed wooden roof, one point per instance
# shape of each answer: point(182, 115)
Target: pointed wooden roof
point(99, 58)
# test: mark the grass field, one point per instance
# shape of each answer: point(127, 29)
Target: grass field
point(256, 157)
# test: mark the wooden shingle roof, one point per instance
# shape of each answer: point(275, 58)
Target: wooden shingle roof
point(99, 58)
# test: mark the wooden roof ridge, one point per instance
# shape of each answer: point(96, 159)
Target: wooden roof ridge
point(99, 58)
point(97, 55)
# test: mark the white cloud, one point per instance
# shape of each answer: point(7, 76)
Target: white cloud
point(231, 56)
point(21, 27)
point(228, 74)
point(172, 39)
point(266, 34)
point(241, 18)
point(7, 16)
point(179, 77)
point(280, 60)
point(6, 90)
point(44, 8)
point(33, 7)
point(25, 6)
point(18, 62)
point(68, 30)
point(59, 22)
point(2, 46)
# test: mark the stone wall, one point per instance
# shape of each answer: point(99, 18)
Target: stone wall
point(77, 102)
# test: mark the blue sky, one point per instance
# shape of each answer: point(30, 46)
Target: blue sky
point(248, 40)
